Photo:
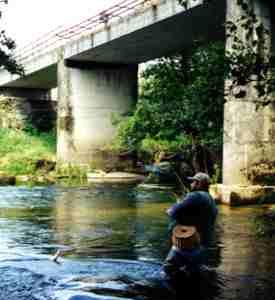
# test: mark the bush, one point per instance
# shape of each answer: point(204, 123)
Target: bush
point(152, 146)
point(181, 103)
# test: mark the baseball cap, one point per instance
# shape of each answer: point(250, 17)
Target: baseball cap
point(200, 177)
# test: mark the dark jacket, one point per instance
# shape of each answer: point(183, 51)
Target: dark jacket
point(197, 209)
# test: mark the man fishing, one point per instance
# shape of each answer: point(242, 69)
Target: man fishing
point(193, 226)
point(194, 219)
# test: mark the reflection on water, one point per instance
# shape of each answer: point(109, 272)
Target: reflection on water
point(95, 222)
point(110, 223)
point(122, 224)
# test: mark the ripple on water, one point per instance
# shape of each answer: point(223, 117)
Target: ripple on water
point(25, 196)
point(29, 278)
point(18, 283)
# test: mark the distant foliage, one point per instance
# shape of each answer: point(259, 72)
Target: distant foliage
point(7, 60)
point(181, 99)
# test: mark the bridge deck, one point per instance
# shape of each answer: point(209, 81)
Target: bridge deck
point(147, 33)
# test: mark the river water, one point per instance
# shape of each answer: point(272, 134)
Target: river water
point(110, 234)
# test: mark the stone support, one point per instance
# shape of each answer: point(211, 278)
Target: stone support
point(18, 105)
point(88, 96)
point(249, 119)
point(249, 126)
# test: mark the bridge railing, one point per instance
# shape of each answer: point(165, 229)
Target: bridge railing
point(62, 35)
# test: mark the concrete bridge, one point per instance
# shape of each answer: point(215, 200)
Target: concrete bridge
point(94, 65)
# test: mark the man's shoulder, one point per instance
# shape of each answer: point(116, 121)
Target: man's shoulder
point(194, 195)
point(198, 196)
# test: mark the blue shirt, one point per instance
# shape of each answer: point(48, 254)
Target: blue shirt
point(198, 209)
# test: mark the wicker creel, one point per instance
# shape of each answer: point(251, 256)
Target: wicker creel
point(185, 237)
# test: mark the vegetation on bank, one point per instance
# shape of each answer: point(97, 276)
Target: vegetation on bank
point(25, 152)
point(179, 114)
point(180, 108)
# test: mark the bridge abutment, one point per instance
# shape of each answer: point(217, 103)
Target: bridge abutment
point(88, 96)
point(249, 115)
point(21, 105)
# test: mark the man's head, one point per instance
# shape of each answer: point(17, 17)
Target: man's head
point(200, 181)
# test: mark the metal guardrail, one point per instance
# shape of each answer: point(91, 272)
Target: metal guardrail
point(60, 36)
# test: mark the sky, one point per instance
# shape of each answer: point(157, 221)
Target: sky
point(25, 20)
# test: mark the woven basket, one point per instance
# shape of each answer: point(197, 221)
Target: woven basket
point(185, 237)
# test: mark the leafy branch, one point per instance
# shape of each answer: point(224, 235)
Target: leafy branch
point(7, 45)
point(7, 60)
point(249, 57)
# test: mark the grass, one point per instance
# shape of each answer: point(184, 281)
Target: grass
point(20, 150)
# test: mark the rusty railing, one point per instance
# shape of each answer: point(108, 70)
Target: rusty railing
point(60, 36)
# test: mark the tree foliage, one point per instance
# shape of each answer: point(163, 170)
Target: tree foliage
point(249, 55)
point(182, 96)
point(7, 60)
point(181, 99)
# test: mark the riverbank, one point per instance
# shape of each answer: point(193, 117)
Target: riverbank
point(26, 154)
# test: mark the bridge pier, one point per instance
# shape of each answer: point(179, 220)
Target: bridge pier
point(88, 95)
point(249, 122)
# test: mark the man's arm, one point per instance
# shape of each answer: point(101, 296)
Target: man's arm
point(179, 209)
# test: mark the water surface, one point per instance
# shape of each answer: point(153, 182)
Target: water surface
point(113, 232)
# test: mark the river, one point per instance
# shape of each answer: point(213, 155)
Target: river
point(109, 233)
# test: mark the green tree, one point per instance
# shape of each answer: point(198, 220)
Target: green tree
point(7, 46)
point(181, 99)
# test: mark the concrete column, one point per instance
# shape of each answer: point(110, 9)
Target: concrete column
point(88, 96)
point(249, 120)
point(249, 126)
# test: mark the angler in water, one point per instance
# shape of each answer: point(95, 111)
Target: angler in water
point(193, 222)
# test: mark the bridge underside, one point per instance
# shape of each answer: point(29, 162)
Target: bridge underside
point(43, 79)
point(203, 22)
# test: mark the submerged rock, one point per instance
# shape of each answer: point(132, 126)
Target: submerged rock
point(117, 177)
point(161, 176)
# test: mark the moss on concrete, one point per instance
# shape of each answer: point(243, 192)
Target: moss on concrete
point(262, 173)
point(243, 195)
